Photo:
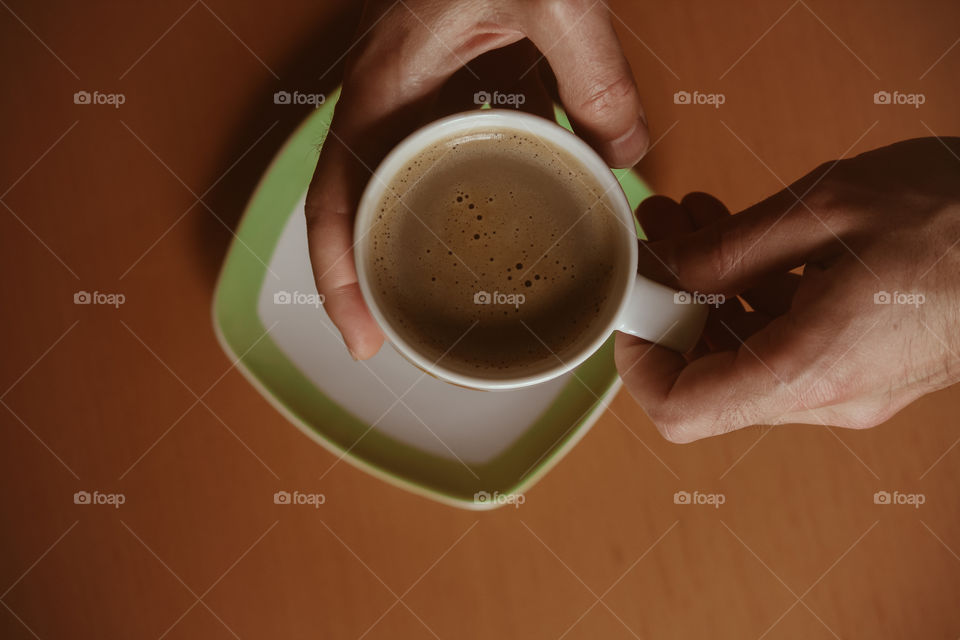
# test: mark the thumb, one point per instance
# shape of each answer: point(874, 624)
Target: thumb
point(593, 77)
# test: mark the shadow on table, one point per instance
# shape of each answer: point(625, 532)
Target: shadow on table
point(320, 55)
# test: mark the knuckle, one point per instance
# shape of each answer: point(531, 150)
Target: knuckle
point(825, 198)
point(820, 205)
point(558, 9)
point(606, 96)
point(343, 290)
point(673, 426)
point(725, 253)
point(867, 417)
point(319, 214)
point(385, 31)
point(661, 420)
point(735, 415)
point(682, 422)
point(382, 17)
point(859, 421)
point(314, 210)
point(832, 384)
point(729, 251)
point(823, 394)
point(314, 220)
point(673, 431)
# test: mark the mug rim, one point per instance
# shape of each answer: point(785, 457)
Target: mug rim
point(463, 122)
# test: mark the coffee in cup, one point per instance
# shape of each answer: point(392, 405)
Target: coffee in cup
point(496, 252)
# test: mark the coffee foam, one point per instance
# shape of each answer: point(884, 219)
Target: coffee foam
point(495, 253)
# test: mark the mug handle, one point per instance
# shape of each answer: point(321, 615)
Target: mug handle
point(662, 315)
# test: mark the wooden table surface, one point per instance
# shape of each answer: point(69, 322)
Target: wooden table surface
point(141, 400)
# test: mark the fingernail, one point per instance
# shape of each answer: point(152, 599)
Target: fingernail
point(627, 149)
point(352, 354)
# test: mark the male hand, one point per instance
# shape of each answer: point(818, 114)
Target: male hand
point(406, 52)
point(871, 325)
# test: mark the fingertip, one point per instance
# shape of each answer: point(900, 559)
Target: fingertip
point(627, 149)
point(628, 349)
point(361, 335)
point(662, 218)
point(703, 208)
point(704, 199)
point(657, 205)
point(594, 80)
point(366, 346)
point(647, 369)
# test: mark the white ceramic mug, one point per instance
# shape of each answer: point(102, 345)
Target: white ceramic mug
point(645, 309)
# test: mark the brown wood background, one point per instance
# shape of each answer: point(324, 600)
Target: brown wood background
point(599, 550)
